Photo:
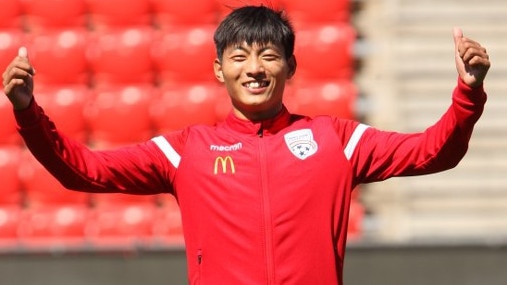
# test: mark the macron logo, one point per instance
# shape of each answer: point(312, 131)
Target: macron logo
point(233, 147)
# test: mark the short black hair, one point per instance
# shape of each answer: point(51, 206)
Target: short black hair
point(255, 24)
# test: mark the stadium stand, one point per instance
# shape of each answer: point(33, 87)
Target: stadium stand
point(114, 72)
point(48, 15)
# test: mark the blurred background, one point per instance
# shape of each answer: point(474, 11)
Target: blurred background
point(117, 72)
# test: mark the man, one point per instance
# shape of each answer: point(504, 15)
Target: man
point(264, 195)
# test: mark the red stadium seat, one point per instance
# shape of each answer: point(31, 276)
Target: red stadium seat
point(170, 13)
point(42, 189)
point(118, 13)
point(10, 216)
point(356, 216)
point(185, 54)
point(325, 51)
point(8, 133)
point(304, 11)
point(10, 14)
point(184, 104)
point(121, 225)
point(51, 14)
point(53, 216)
point(54, 227)
point(120, 114)
point(59, 56)
point(10, 188)
point(336, 98)
point(65, 107)
point(122, 56)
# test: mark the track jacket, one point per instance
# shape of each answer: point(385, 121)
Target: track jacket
point(261, 202)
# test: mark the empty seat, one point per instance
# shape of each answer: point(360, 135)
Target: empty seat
point(181, 105)
point(325, 51)
point(10, 188)
point(336, 98)
point(121, 56)
point(54, 14)
point(10, 14)
point(185, 54)
point(54, 227)
point(10, 216)
point(118, 13)
point(59, 56)
point(120, 114)
point(65, 106)
point(304, 11)
point(170, 13)
point(42, 189)
point(121, 225)
point(53, 216)
point(8, 133)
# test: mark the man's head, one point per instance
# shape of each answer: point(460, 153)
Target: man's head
point(255, 24)
point(255, 58)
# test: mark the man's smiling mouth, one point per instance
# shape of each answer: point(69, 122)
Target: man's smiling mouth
point(256, 84)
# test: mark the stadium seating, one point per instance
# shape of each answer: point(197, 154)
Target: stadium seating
point(65, 106)
point(325, 51)
point(59, 56)
point(321, 97)
point(304, 11)
point(118, 13)
point(10, 14)
point(120, 114)
point(171, 13)
point(9, 175)
point(121, 224)
point(184, 104)
point(8, 132)
point(54, 14)
point(10, 216)
point(185, 54)
point(53, 216)
point(121, 56)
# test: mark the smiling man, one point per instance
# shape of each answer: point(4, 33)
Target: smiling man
point(264, 195)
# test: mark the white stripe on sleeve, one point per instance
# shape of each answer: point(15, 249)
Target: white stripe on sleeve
point(354, 140)
point(168, 150)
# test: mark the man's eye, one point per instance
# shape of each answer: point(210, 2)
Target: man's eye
point(238, 58)
point(270, 57)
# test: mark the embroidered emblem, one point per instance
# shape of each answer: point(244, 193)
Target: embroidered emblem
point(301, 143)
point(224, 162)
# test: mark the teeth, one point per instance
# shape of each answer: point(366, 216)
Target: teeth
point(256, 84)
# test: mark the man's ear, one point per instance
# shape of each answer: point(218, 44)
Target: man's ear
point(217, 67)
point(292, 62)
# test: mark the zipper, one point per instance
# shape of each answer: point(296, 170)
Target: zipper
point(266, 211)
point(199, 266)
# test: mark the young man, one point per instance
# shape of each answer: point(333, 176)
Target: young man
point(264, 195)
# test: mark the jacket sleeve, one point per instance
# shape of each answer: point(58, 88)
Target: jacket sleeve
point(135, 169)
point(380, 154)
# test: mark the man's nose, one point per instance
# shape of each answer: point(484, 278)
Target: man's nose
point(254, 67)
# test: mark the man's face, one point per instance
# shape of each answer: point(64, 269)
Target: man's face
point(255, 77)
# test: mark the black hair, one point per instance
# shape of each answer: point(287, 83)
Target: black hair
point(255, 24)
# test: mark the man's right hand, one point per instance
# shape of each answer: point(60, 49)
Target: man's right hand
point(18, 80)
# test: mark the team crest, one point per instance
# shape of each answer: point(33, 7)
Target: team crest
point(301, 143)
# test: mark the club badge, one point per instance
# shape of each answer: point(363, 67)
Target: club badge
point(301, 143)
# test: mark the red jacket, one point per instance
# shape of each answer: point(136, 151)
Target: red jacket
point(261, 202)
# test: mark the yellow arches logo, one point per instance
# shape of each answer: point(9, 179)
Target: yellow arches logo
point(226, 163)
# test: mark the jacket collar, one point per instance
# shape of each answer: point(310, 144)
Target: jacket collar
point(259, 128)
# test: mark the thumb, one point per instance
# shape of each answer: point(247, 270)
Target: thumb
point(23, 52)
point(457, 34)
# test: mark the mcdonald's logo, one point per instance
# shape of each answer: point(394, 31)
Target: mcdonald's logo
point(224, 162)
